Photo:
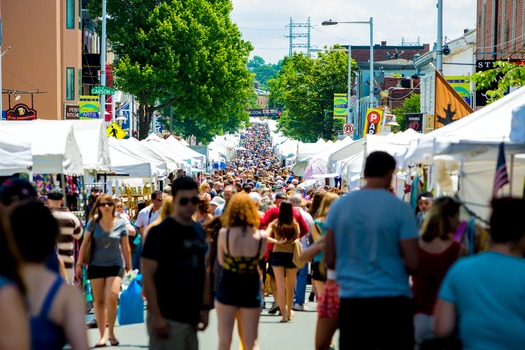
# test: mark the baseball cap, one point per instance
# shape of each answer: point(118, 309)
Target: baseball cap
point(217, 201)
point(256, 197)
point(55, 194)
point(14, 189)
point(281, 195)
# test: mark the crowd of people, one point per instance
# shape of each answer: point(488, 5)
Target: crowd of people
point(384, 275)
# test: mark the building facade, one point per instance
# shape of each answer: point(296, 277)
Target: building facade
point(43, 65)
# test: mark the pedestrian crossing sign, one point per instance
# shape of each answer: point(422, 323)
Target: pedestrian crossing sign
point(114, 130)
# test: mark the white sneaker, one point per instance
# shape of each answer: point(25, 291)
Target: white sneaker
point(298, 307)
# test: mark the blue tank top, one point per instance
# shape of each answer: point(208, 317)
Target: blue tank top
point(45, 334)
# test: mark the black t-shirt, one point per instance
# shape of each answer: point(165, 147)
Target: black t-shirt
point(179, 251)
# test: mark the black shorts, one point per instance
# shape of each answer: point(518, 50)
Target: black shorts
point(317, 274)
point(94, 271)
point(283, 260)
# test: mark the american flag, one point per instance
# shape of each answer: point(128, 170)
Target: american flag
point(501, 178)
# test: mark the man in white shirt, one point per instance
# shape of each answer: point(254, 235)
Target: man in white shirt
point(150, 213)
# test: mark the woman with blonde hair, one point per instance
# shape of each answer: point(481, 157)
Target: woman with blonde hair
point(108, 236)
point(328, 299)
point(437, 252)
point(283, 231)
point(204, 191)
point(318, 230)
point(240, 246)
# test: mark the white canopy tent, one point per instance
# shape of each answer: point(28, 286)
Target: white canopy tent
point(134, 148)
point(15, 155)
point(53, 145)
point(472, 144)
point(184, 152)
point(125, 163)
point(92, 140)
point(159, 146)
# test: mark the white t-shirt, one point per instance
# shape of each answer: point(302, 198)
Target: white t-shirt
point(146, 217)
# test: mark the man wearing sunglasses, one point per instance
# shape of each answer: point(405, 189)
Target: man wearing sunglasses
point(176, 249)
point(150, 213)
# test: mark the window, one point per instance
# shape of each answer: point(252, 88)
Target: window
point(70, 83)
point(70, 14)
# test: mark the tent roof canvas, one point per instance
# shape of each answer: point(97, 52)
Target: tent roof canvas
point(53, 145)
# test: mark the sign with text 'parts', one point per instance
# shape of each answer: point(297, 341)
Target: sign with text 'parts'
point(102, 90)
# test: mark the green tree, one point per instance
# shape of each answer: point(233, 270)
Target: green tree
point(264, 73)
point(304, 89)
point(181, 53)
point(256, 61)
point(412, 104)
point(506, 74)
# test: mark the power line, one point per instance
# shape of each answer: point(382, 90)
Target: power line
point(293, 36)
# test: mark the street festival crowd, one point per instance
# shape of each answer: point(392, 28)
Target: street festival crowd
point(386, 276)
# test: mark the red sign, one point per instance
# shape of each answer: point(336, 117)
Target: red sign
point(348, 128)
point(20, 112)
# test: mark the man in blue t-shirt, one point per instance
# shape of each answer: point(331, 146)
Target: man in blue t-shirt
point(371, 242)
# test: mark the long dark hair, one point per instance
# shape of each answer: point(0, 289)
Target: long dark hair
point(10, 258)
point(286, 225)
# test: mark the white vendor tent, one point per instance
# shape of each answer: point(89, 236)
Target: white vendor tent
point(469, 147)
point(53, 145)
point(15, 155)
point(160, 147)
point(92, 139)
point(125, 163)
point(184, 152)
point(134, 148)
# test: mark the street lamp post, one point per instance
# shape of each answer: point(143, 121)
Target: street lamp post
point(371, 23)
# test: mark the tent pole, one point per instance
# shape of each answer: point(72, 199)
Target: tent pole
point(63, 183)
point(511, 174)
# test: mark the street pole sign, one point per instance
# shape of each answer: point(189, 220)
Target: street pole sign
point(102, 90)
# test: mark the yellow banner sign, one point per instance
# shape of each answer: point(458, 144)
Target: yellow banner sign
point(340, 105)
point(373, 120)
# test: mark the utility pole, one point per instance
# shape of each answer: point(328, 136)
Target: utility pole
point(293, 36)
point(102, 107)
point(439, 47)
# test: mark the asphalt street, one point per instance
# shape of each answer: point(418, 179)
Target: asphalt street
point(298, 334)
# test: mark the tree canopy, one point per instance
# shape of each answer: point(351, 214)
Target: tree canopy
point(305, 88)
point(506, 74)
point(181, 53)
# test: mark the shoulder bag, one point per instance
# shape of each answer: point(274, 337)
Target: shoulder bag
point(297, 251)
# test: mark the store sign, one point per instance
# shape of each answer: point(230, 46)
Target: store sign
point(21, 112)
point(71, 112)
point(414, 121)
point(373, 121)
point(273, 112)
point(88, 107)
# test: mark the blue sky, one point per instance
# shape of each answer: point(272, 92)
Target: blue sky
point(263, 22)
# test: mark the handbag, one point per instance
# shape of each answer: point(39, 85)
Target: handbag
point(297, 251)
point(88, 250)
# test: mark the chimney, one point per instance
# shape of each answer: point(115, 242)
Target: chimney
point(383, 43)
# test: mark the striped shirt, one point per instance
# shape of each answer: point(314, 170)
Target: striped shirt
point(70, 229)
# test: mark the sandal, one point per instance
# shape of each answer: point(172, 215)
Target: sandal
point(114, 341)
point(100, 345)
point(284, 320)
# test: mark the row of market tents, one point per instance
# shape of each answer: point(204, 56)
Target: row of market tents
point(459, 158)
point(83, 148)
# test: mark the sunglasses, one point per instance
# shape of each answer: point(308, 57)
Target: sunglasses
point(105, 204)
point(184, 201)
point(158, 199)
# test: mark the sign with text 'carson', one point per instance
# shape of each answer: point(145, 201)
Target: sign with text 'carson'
point(102, 90)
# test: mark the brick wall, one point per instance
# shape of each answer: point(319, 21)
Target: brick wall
point(508, 41)
point(381, 52)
